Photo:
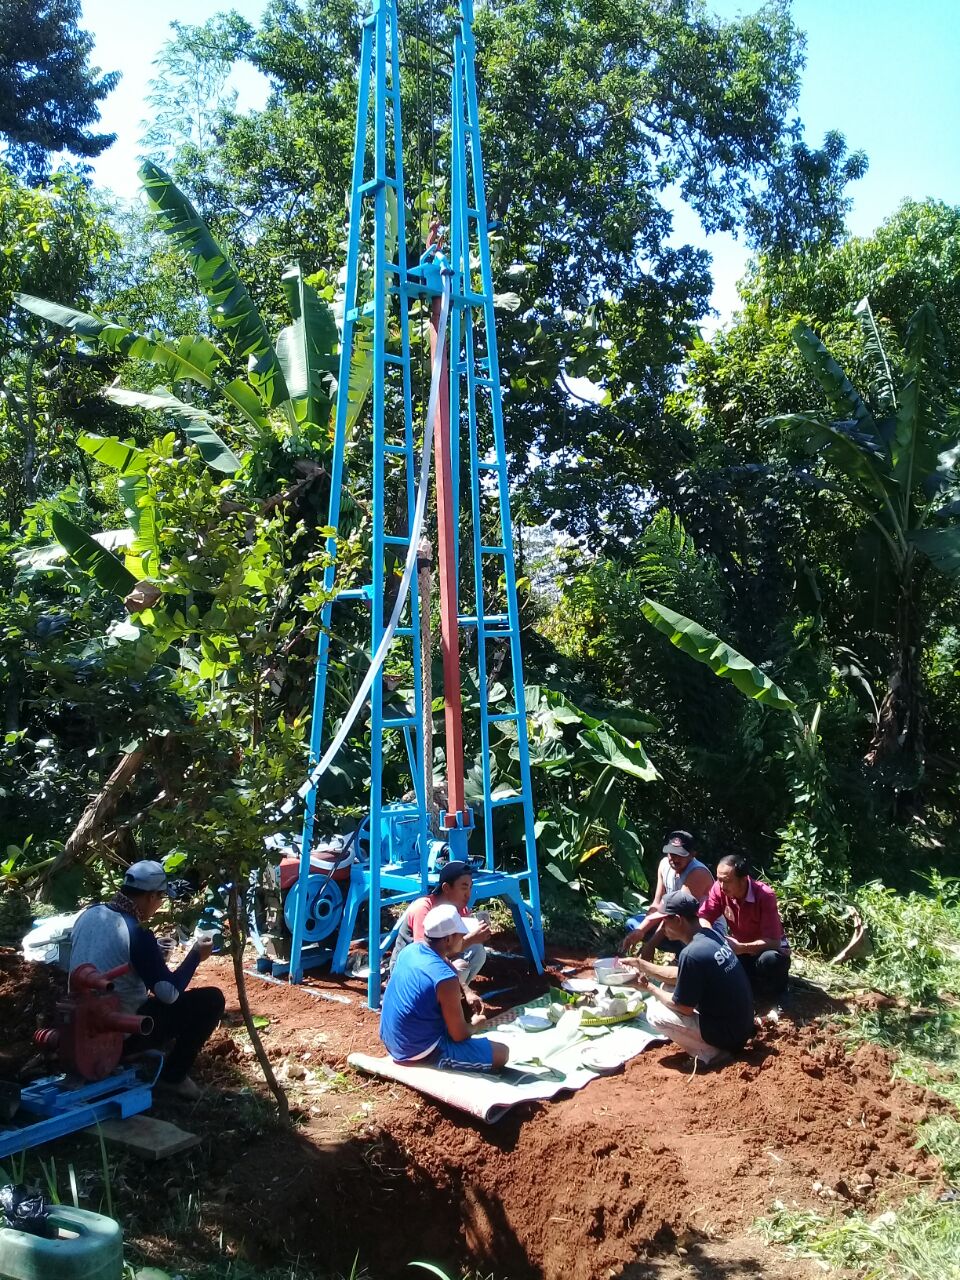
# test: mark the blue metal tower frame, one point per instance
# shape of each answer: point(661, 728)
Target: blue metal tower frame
point(400, 853)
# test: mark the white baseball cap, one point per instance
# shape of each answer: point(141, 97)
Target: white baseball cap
point(443, 922)
point(146, 876)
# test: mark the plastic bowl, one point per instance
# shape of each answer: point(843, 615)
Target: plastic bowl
point(611, 973)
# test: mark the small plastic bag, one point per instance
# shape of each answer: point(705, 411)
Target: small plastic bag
point(26, 1210)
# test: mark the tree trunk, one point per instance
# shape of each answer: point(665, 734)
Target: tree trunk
point(236, 954)
point(93, 819)
point(897, 742)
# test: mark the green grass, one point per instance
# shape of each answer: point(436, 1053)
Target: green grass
point(918, 1241)
point(917, 960)
point(941, 1137)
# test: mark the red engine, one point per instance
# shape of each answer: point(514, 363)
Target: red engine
point(90, 1027)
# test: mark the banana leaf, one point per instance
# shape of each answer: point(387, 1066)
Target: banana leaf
point(844, 398)
point(361, 356)
point(854, 453)
point(917, 443)
point(195, 359)
point(93, 558)
point(140, 510)
point(193, 422)
point(189, 359)
point(883, 387)
point(50, 555)
point(705, 647)
point(125, 458)
point(940, 546)
point(307, 349)
point(231, 307)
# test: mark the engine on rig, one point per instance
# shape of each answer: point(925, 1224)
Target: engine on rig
point(274, 892)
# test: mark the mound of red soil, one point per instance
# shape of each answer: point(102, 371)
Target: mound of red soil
point(28, 996)
point(571, 1190)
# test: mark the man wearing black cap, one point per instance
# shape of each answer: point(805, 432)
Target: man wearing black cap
point(112, 934)
point(454, 886)
point(680, 868)
point(709, 1012)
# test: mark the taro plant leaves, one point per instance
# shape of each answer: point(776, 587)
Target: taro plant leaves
point(580, 761)
point(703, 646)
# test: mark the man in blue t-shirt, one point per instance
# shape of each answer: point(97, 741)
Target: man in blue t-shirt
point(422, 1016)
point(709, 1012)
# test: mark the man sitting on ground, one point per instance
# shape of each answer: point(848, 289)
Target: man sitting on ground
point(754, 930)
point(422, 1016)
point(454, 886)
point(680, 868)
point(709, 1012)
point(112, 934)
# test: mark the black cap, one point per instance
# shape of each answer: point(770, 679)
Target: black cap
point(680, 844)
point(680, 903)
point(453, 871)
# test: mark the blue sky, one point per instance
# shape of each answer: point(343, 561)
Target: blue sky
point(883, 72)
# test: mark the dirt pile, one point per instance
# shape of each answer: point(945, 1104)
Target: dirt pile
point(578, 1188)
point(28, 996)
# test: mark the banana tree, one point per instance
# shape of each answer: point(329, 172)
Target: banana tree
point(894, 457)
point(288, 386)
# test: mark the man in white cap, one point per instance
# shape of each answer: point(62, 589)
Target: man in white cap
point(422, 1016)
point(112, 934)
point(454, 885)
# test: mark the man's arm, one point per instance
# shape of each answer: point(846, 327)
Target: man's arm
point(416, 914)
point(666, 973)
point(638, 935)
point(166, 984)
point(481, 934)
point(755, 947)
point(666, 997)
point(448, 994)
point(712, 907)
point(699, 882)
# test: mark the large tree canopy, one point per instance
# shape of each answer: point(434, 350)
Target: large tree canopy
point(49, 93)
point(598, 117)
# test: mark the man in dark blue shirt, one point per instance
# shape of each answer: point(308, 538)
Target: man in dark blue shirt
point(709, 1012)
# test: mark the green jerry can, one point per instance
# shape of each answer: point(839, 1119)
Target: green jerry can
point(87, 1246)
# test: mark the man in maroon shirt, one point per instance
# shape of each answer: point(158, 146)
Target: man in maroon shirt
point(754, 930)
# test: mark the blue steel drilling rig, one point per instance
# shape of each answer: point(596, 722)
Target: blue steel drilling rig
point(399, 845)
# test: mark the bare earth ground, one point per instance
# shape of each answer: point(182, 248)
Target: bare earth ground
point(654, 1174)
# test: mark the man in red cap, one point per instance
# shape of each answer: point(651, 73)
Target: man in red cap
point(680, 868)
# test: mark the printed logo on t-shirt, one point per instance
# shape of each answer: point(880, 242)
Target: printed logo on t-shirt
point(723, 956)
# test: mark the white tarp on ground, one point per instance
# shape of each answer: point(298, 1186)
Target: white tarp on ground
point(561, 1051)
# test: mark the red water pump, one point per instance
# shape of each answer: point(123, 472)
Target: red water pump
point(90, 1026)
